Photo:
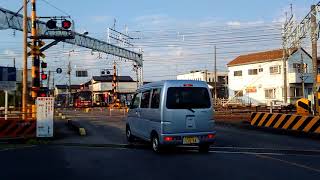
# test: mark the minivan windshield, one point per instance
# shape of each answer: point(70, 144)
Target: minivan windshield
point(188, 98)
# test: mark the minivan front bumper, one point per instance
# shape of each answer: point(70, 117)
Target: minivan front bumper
point(177, 139)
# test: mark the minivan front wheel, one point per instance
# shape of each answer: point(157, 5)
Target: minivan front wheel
point(130, 137)
point(155, 144)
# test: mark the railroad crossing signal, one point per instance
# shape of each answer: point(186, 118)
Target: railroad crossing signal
point(51, 24)
point(66, 24)
point(35, 50)
point(44, 76)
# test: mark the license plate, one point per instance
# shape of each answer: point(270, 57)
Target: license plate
point(190, 140)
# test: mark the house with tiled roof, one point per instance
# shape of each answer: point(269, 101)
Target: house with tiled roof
point(258, 78)
point(101, 87)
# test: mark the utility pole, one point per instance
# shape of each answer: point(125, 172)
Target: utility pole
point(25, 60)
point(314, 57)
point(285, 86)
point(215, 72)
point(48, 81)
point(53, 80)
point(206, 75)
point(114, 83)
point(69, 87)
point(35, 58)
point(302, 69)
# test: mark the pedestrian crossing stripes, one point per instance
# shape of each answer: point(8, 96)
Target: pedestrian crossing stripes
point(294, 122)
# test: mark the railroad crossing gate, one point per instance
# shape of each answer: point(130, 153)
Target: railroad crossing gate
point(45, 109)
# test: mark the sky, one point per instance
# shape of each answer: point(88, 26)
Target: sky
point(175, 36)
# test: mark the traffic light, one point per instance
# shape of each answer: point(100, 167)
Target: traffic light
point(51, 24)
point(66, 24)
point(44, 76)
point(43, 92)
point(43, 65)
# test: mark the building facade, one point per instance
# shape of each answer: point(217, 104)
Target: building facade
point(222, 81)
point(258, 78)
point(101, 87)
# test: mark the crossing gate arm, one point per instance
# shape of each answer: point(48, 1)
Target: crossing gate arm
point(12, 20)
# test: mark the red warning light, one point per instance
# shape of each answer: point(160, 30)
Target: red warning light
point(43, 76)
point(66, 24)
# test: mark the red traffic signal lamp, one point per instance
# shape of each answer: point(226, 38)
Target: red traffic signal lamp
point(43, 92)
point(44, 76)
point(66, 24)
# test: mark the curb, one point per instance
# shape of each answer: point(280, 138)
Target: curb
point(231, 124)
point(76, 127)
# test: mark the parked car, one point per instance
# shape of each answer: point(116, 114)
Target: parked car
point(172, 112)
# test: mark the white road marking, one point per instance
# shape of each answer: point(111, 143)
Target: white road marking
point(288, 162)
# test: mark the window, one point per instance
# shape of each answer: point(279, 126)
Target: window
point(188, 98)
point(275, 70)
point(136, 101)
point(155, 99)
point(238, 93)
point(295, 91)
point(81, 73)
point(209, 80)
point(298, 69)
point(260, 69)
point(270, 93)
point(237, 73)
point(145, 98)
point(252, 71)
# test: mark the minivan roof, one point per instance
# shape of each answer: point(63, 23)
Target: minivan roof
point(173, 83)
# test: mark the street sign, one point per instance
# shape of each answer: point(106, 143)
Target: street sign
point(45, 109)
point(8, 78)
point(7, 74)
point(7, 85)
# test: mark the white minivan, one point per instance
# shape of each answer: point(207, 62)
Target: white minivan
point(172, 112)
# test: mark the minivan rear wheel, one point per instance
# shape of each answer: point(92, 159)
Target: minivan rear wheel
point(130, 137)
point(155, 144)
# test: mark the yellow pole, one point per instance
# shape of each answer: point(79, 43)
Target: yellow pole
point(35, 59)
point(25, 61)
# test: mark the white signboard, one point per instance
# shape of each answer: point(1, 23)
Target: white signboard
point(45, 109)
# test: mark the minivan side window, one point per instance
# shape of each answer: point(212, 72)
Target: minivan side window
point(145, 98)
point(155, 99)
point(136, 101)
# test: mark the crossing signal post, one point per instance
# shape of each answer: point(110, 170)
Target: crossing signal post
point(35, 53)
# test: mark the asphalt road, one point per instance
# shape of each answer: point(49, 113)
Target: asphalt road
point(238, 154)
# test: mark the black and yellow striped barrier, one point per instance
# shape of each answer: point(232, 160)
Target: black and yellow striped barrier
point(292, 122)
point(303, 106)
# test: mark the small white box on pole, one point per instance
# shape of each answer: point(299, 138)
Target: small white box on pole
point(45, 109)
